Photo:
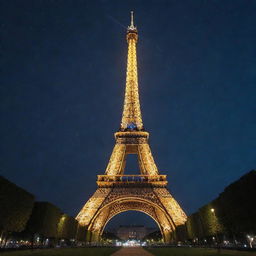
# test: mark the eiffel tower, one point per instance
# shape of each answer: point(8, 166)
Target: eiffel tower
point(117, 192)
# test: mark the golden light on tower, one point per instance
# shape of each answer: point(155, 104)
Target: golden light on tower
point(131, 111)
point(118, 192)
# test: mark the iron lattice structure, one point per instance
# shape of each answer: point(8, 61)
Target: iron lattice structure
point(118, 192)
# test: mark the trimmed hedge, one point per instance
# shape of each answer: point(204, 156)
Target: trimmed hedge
point(19, 213)
point(44, 220)
point(67, 227)
point(234, 211)
point(15, 206)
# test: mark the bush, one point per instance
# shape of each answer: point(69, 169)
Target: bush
point(15, 206)
point(44, 220)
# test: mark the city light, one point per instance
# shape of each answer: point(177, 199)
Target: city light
point(131, 243)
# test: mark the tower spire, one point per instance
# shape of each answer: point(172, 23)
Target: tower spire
point(131, 118)
point(132, 23)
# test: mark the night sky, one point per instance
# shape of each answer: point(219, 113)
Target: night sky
point(63, 66)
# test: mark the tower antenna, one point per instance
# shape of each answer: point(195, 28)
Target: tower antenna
point(132, 27)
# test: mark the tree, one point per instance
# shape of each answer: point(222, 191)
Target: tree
point(81, 233)
point(72, 228)
point(181, 233)
point(109, 237)
point(194, 226)
point(44, 220)
point(233, 212)
point(15, 206)
point(237, 205)
point(210, 222)
point(67, 227)
point(156, 236)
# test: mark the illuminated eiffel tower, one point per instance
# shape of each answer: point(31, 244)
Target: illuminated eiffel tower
point(118, 192)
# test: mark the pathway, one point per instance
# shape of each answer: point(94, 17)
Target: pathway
point(132, 251)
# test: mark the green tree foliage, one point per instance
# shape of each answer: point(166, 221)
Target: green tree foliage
point(67, 227)
point(72, 227)
point(210, 222)
point(234, 211)
point(190, 227)
point(15, 206)
point(181, 233)
point(81, 233)
point(156, 236)
point(237, 205)
point(194, 226)
point(63, 226)
point(44, 219)
point(109, 235)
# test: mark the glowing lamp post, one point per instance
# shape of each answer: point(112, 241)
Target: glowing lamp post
point(216, 232)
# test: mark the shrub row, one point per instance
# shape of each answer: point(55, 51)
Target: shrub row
point(231, 214)
point(42, 220)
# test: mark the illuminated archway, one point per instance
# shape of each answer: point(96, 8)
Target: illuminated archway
point(106, 213)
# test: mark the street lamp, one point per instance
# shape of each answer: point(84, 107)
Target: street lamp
point(216, 233)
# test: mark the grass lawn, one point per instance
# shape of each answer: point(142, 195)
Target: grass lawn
point(196, 252)
point(63, 252)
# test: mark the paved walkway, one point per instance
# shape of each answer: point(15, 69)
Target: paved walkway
point(132, 251)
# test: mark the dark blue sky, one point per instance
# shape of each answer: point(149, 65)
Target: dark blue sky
point(63, 68)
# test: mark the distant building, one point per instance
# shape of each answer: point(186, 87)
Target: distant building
point(136, 232)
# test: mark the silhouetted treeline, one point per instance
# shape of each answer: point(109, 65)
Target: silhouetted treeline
point(156, 236)
point(15, 208)
point(231, 216)
point(39, 223)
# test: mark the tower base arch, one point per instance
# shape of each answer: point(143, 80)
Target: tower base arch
point(156, 202)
